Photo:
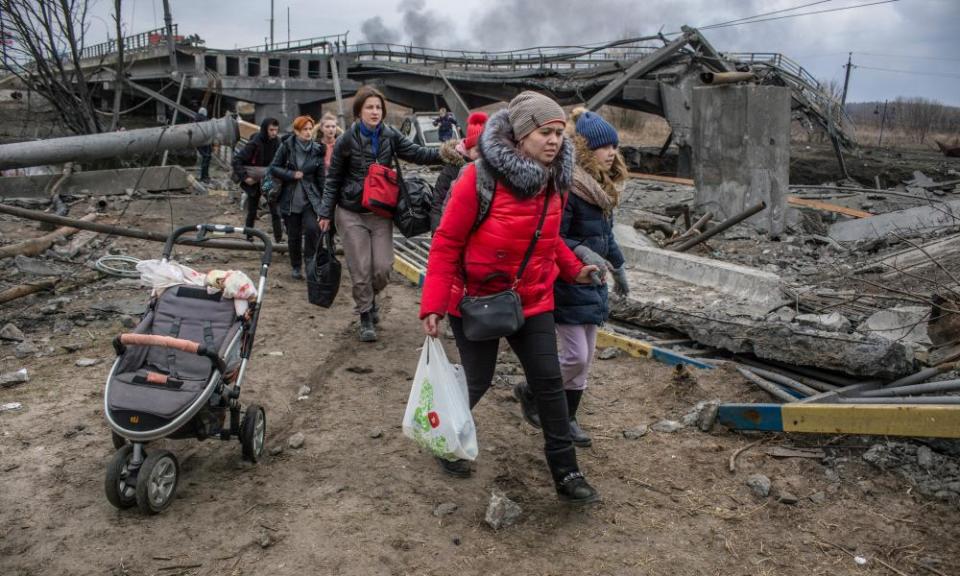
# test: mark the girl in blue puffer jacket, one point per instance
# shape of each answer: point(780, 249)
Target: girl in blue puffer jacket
point(587, 228)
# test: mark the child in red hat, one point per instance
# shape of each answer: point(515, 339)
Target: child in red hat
point(455, 156)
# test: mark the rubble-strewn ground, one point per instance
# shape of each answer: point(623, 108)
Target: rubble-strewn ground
point(358, 498)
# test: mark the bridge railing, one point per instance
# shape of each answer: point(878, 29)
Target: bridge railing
point(801, 80)
point(322, 44)
point(134, 42)
point(775, 60)
point(546, 57)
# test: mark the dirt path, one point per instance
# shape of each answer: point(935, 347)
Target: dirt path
point(358, 498)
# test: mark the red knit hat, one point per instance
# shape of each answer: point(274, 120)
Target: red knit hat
point(475, 123)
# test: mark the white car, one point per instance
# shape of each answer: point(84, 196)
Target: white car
point(419, 128)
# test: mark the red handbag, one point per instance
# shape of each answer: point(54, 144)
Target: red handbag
point(381, 190)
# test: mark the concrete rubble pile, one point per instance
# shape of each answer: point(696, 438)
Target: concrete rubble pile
point(857, 296)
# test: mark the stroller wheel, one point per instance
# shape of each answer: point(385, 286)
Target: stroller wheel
point(157, 481)
point(118, 440)
point(253, 432)
point(120, 486)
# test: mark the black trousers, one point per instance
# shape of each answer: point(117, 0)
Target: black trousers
point(303, 236)
point(253, 203)
point(535, 344)
point(206, 153)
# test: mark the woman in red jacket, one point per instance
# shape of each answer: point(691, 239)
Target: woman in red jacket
point(523, 150)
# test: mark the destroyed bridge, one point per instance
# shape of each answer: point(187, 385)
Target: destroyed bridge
point(652, 74)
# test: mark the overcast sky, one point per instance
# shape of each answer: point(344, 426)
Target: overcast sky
point(915, 41)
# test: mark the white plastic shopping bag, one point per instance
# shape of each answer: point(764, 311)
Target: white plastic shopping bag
point(438, 414)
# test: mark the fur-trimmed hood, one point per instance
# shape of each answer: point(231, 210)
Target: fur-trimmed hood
point(610, 180)
point(451, 155)
point(524, 177)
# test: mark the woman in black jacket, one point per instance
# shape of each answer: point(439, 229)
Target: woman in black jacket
point(367, 237)
point(299, 166)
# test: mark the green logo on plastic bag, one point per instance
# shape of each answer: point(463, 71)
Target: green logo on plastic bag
point(425, 420)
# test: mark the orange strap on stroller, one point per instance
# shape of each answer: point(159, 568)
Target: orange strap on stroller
point(163, 341)
point(124, 340)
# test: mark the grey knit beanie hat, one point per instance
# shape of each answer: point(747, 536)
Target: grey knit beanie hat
point(530, 110)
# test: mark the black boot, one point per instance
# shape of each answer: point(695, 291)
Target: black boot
point(580, 438)
point(455, 468)
point(575, 489)
point(296, 274)
point(367, 332)
point(375, 312)
point(528, 406)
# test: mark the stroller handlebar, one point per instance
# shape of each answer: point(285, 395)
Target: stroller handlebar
point(122, 341)
point(204, 230)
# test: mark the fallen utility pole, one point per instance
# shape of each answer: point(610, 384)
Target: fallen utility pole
point(733, 221)
point(36, 246)
point(118, 144)
point(131, 232)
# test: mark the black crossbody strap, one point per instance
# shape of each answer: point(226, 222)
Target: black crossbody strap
point(401, 186)
point(536, 236)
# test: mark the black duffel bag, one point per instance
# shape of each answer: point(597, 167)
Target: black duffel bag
point(323, 273)
point(415, 200)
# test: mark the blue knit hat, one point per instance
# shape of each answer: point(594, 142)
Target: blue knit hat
point(596, 131)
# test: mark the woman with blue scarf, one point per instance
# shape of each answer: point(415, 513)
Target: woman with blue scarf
point(367, 238)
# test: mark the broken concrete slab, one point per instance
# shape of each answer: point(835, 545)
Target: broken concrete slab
point(715, 321)
point(35, 267)
point(97, 182)
point(754, 287)
point(832, 322)
point(128, 306)
point(11, 332)
point(901, 323)
point(909, 222)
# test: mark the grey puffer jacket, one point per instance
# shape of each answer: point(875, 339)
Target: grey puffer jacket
point(352, 157)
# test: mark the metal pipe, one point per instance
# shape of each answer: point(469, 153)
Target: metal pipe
point(902, 400)
point(835, 380)
point(726, 77)
point(769, 387)
point(118, 144)
point(922, 375)
point(943, 386)
point(721, 227)
point(785, 379)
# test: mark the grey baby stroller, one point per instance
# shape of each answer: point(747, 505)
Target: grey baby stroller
point(178, 375)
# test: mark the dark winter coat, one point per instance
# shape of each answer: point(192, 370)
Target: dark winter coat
point(453, 165)
point(498, 245)
point(352, 157)
point(586, 224)
point(445, 126)
point(285, 164)
point(258, 151)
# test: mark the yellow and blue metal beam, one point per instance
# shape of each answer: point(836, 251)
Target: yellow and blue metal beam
point(873, 419)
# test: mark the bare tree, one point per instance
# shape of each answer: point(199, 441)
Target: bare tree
point(45, 53)
point(919, 116)
point(118, 84)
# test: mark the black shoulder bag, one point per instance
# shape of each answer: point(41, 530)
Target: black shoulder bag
point(412, 216)
point(323, 273)
point(501, 314)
